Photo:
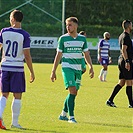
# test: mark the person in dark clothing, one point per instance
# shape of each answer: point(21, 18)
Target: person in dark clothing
point(124, 65)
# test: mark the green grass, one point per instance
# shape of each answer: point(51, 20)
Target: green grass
point(43, 102)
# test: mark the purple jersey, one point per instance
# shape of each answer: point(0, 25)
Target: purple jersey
point(104, 46)
point(13, 40)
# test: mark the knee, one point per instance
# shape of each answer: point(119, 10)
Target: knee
point(5, 95)
point(73, 90)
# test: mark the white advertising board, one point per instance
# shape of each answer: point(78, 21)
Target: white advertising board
point(44, 42)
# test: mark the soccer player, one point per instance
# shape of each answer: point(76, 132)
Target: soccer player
point(70, 48)
point(83, 66)
point(124, 65)
point(16, 47)
point(104, 55)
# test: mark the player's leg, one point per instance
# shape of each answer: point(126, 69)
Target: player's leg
point(3, 100)
point(102, 70)
point(17, 88)
point(101, 74)
point(73, 92)
point(68, 76)
point(117, 88)
point(69, 81)
point(5, 88)
point(71, 103)
point(129, 92)
point(15, 107)
point(105, 67)
point(128, 78)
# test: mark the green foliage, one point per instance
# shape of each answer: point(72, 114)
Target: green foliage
point(37, 20)
point(44, 29)
point(93, 30)
point(43, 102)
point(95, 16)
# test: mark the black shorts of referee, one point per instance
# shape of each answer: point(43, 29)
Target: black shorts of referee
point(123, 72)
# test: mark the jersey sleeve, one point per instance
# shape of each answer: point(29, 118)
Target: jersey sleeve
point(85, 46)
point(100, 44)
point(26, 43)
point(1, 39)
point(126, 40)
point(60, 45)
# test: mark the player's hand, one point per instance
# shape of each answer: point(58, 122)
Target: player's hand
point(91, 73)
point(127, 66)
point(53, 76)
point(32, 77)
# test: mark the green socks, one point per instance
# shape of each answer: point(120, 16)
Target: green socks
point(69, 104)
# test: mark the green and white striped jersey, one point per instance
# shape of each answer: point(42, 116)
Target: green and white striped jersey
point(72, 49)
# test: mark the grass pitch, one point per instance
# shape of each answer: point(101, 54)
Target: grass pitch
point(43, 102)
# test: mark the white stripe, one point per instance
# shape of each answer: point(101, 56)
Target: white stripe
point(73, 44)
point(73, 66)
point(104, 55)
point(7, 63)
point(105, 47)
point(13, 69)
point(58, 50)
point(27, 48)
point(85, 49)
point(105, 51)
point(72, 55)
point(107, 43)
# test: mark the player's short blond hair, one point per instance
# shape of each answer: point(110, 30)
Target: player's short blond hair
point(73, 19)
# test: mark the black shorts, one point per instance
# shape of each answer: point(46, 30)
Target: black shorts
point(123, 72)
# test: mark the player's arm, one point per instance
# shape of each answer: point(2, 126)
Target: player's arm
point(55, 65)
point(125, 56)
point(124, 52)
point(89, 63)
point(0, 46)
point(110, 59)
point(99, 54)
point(28, 61)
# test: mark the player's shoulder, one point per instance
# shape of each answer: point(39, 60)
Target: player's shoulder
point(101, 41)
point(16, 30)
point(81, 37)
point(5, 29)
point(124, 35)
point(65, 35)
point(24, 32)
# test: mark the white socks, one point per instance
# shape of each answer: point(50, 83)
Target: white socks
point(71, 117)
point(103, 74)
point(16, 106)
point(63, 113)
point(2, 105)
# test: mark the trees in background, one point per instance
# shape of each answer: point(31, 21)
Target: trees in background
point(95, 16)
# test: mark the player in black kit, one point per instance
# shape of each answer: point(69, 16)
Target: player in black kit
point(124, 65)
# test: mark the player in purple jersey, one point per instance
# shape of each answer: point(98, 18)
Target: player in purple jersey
point(104, 55)
point(16, 47)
